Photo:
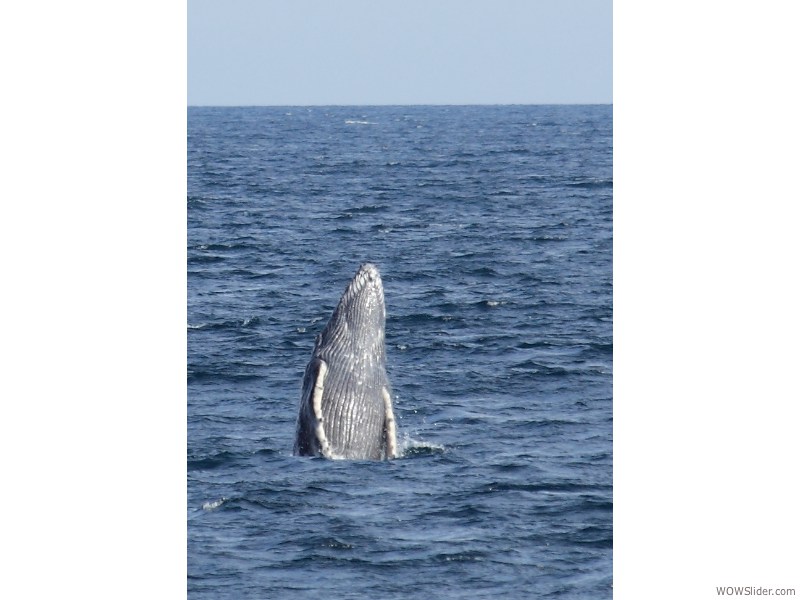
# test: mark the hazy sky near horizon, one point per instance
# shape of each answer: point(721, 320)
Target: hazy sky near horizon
point(312, 52)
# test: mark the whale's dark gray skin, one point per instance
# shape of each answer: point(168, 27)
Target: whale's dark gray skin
point(346, 402)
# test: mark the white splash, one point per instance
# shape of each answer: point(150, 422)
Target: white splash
point(214, 504)
point(408, 446)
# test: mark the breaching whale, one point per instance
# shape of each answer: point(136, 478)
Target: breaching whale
point(346, 403)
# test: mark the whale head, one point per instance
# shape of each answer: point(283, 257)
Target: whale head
point(356, 327)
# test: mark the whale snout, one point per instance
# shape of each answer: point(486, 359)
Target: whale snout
point(367, 274)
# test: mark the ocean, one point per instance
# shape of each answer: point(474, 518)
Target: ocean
point(492, 229)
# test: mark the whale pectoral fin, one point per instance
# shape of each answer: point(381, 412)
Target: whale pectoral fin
point(316, 405)
point(311, 439)
point(389, 426)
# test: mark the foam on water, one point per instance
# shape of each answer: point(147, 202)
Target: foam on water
point(410, 447)
point(214, 504)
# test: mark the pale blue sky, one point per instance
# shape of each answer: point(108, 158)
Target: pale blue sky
point(299, 52)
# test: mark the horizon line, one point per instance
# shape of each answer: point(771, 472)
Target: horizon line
point(391, 104)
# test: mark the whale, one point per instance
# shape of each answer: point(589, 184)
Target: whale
point(346, 401)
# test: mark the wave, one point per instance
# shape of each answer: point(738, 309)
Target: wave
point(229, 324)
point(563, 487)
point(591, 184)
point(412, 448)
point(214, 504)
point(219, 376)
point(212, 461)
point(205, 259)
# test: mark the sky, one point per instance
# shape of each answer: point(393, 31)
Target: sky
point(317, 52)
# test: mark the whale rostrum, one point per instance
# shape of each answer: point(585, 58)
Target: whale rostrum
point(346, 402)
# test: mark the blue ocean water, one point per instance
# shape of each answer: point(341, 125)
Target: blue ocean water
point(492, 227)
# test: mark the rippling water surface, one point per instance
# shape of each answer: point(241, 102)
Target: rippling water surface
point(492, 230)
